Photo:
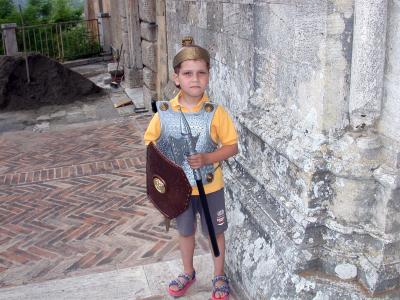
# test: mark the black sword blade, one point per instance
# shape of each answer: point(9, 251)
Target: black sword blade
point(206, 210)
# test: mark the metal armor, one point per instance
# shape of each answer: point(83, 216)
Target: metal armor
point(172, 144)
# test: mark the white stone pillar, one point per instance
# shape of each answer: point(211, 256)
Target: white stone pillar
point(105, 31)
point(10, 38)
point(390, 121)
point(368, 61)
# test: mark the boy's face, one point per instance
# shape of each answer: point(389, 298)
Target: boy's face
point(193, 77)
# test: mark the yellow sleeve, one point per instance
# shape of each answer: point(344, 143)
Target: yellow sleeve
point(153, 130)
point(222, 128)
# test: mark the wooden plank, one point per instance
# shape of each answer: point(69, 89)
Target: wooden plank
point(162, 57)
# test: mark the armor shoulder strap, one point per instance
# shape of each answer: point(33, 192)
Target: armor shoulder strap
point(163, 106)
point(210, 109)
point(163, 109)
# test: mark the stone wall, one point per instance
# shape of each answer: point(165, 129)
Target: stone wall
point(313, 196)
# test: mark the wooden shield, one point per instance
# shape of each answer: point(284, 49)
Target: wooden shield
point(167, 186)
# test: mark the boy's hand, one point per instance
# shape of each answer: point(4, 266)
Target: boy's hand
point(197, 160)
point(200, 159)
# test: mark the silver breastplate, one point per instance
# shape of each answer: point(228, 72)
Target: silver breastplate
point(172, 144)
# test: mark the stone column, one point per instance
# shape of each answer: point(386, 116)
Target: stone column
point(105, 31)
point(162, 56)
point(10, 39)
point(100, 3)
point(390, 122)
point(91, 9)
point(124, 32)
point(147, 13)
point(368, 62)
point(86, 9)
point(133, 72)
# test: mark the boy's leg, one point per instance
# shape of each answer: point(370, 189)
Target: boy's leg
point(220, 260)
point(186, 227)
point(216, 204)
point(186, 245)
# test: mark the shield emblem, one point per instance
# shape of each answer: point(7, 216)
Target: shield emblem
point(167, 186)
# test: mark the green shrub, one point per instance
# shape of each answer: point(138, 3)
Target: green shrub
point(40, 12)
point(79, 42)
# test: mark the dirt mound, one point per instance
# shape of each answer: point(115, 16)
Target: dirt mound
point(51, 83)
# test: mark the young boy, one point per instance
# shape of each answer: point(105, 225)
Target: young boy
point(216, 141)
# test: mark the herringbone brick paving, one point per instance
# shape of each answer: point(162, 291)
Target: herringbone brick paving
point(73, 202)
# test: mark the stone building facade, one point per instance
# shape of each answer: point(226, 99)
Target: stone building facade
point(133, 26)
point(313, 86)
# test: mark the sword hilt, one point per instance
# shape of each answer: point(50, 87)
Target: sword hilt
point(189, 140)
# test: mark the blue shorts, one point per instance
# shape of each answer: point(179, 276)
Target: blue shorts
point(187, 221)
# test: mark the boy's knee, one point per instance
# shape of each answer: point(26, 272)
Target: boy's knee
point(220, 235)
point(186, 235)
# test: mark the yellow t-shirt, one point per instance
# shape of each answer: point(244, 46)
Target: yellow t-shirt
point(223, 132)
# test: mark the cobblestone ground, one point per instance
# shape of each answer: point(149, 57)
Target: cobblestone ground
point(73, 202)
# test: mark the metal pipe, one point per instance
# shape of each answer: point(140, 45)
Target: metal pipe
point(62, 44)
point(24, 43)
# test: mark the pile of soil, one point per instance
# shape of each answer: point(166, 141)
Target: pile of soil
point(50, 83)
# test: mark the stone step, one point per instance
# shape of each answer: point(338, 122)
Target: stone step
point(147, 282)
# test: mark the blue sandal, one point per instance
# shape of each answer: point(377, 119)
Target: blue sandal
point(224, 288)
point(188, 279)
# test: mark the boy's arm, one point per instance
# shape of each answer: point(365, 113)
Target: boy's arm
point(198, 160)
point(222, 131)
point(153, 130)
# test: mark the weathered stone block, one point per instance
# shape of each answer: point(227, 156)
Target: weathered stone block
point(125, 40)
point(238, 20)
point(133, 77)
point(202, 15)
point(149, 78)
point(214, 16)
point(149, 55)
point(148, 31)
point(263, 253)
point(147, 10)
point(193, 13)
point(228, 83)
point(124, 24)
point(182, 10)
point(346, 271)
point(148, 96)
point(122, 8)
point(353, 199)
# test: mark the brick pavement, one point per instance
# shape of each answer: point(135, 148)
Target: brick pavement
point(73, 202)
